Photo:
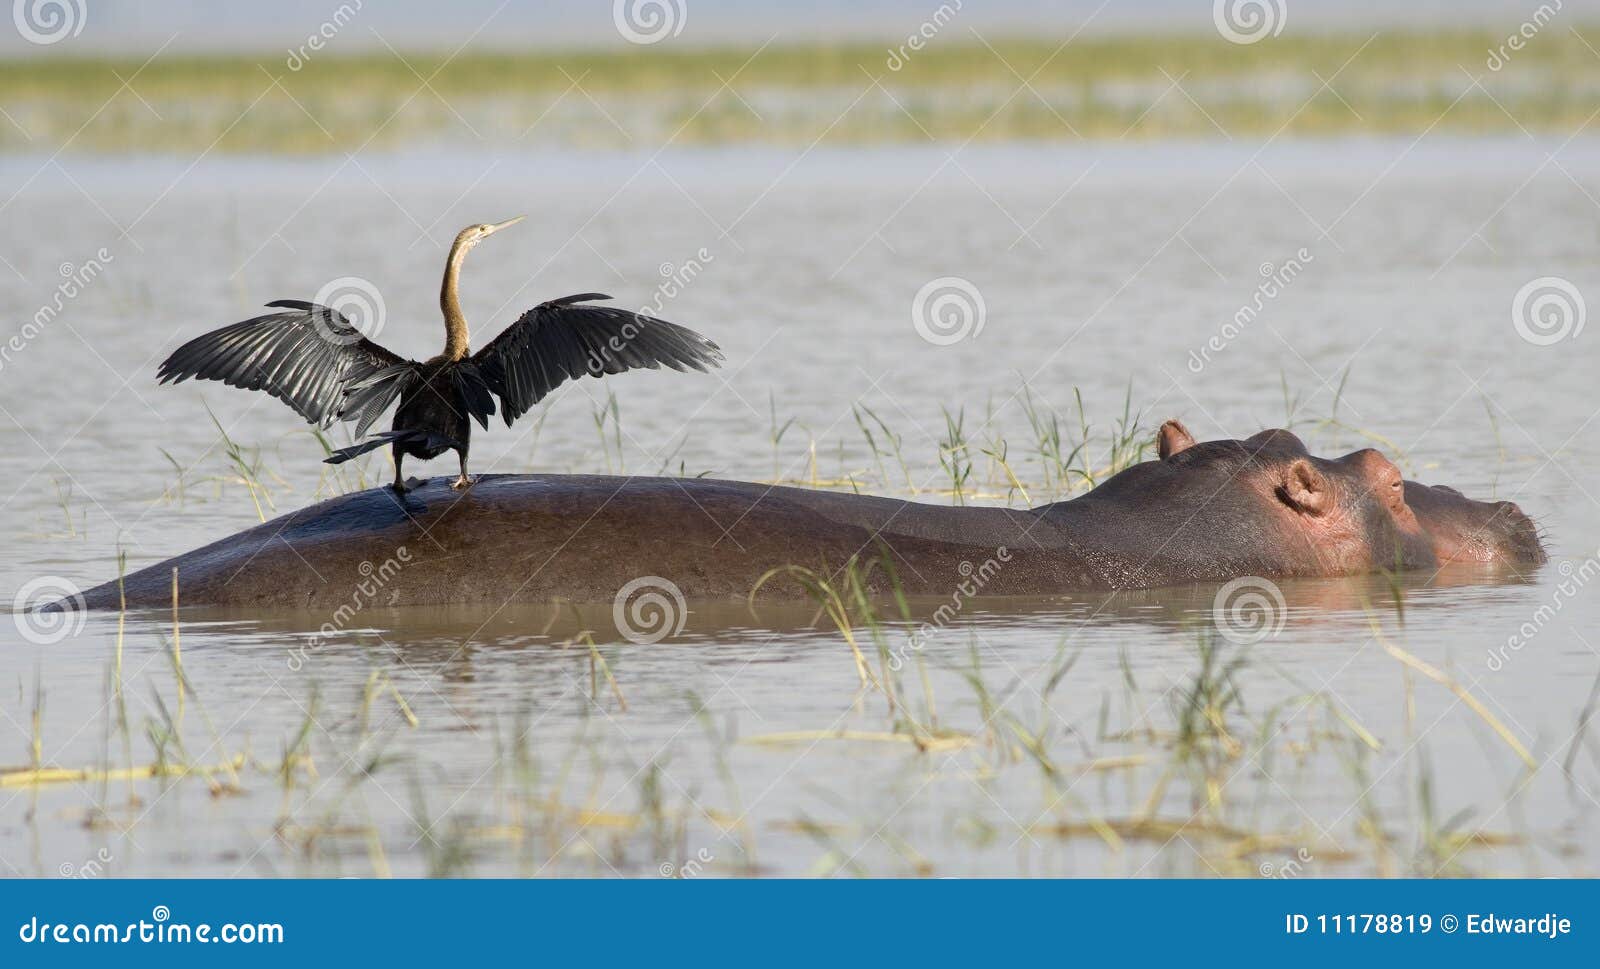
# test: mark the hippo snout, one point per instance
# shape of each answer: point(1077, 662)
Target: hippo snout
point(1464, 530)
point(1520, 532)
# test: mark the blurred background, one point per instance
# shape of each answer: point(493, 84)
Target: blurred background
point(507, 76)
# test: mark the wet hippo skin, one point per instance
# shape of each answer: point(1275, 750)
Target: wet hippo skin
point(1201, 511)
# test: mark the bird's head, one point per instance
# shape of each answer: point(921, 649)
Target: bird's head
point(474, 234)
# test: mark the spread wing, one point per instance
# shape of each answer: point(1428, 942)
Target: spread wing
point(564, 339)
point(309, 356)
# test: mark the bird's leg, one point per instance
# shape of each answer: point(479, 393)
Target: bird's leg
point(463, 481)
point(399, 479)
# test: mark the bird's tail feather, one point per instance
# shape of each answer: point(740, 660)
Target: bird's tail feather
point(427, 439)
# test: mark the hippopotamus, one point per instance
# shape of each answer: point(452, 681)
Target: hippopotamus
point(1208, 511)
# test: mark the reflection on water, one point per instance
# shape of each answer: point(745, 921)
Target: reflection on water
point(1075, 734)
point(1341, 603)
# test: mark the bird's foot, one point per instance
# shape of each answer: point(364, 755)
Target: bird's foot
point(400, 488)
point(461, 483)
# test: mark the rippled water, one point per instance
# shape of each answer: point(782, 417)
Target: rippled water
point(500, 743)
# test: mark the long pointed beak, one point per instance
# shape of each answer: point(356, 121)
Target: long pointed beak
point(501, 225)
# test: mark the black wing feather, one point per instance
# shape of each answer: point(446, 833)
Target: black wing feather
point(474, 391)
point(561, 340)
point(368, 397)
point(308, 356)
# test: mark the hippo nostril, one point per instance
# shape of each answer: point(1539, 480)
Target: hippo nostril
point(1508, 509)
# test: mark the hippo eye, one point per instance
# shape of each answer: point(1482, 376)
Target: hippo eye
point(1397, 494)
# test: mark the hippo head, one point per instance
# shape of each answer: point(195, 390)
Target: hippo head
point(1266, 506)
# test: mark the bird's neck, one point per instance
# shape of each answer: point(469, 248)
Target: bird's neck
point(455, 325)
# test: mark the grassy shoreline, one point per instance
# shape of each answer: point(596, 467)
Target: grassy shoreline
point(960, 87)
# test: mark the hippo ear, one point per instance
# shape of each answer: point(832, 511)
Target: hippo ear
point(1305, 489)
point(1172, 439)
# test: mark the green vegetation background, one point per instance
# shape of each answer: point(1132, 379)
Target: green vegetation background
point(960, 87)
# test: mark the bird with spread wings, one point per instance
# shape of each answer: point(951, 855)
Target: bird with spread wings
point(318, 362)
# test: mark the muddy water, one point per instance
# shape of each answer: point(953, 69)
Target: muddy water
point(500, 742)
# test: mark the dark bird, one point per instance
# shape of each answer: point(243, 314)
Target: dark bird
point(314, 359)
